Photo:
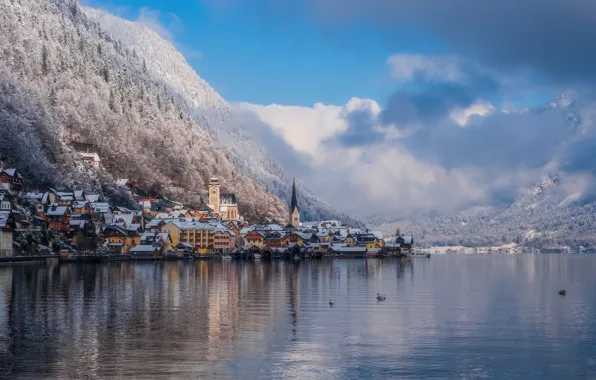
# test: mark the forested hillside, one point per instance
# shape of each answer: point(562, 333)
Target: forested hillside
point(212, 113)
point(66, 81)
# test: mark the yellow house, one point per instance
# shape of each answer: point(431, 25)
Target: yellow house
point(199, 235)
point(351, 240)
point(375, 244)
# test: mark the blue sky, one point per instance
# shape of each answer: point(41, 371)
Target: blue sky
point(251, 55)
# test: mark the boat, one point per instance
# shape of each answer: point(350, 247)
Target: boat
point(256, 256)
point(226, 257)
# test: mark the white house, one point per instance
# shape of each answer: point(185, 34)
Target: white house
point(91, 159)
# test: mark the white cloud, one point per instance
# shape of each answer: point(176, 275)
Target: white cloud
point(407, 67)
point(462, 115)
point(384, 177)
point(304, 128)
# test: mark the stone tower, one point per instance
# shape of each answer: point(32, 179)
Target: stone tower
point(214, 186)
point(294, 218)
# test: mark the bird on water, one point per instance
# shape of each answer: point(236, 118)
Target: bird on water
point(381, 297)
point(562, 292)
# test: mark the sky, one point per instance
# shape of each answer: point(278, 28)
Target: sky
point(399, 106)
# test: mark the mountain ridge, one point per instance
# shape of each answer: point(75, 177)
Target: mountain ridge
point(88, 87)
point(213, 114)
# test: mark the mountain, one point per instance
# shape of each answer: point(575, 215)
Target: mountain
point(212, 113)
point(558, 210)
point(66, 82)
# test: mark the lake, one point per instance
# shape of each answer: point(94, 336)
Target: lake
point(450, 316)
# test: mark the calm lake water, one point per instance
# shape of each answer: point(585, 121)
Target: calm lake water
point(451, 316)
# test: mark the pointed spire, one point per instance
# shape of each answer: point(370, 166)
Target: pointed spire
point(294, 203)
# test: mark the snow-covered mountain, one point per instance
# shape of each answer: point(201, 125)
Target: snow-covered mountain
point(211, 112)
point(558, 210)
point(66, 81)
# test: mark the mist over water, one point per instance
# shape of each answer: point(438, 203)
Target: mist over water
point(451, 316)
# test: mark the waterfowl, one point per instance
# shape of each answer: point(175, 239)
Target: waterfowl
point(562, 292)
point(381, 297)
point(331, 302)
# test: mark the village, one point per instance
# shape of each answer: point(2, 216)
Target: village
point(73, 224)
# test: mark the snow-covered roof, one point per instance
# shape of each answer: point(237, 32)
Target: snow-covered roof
point(155, 236)
point(349, 249)
point(123, 218)
point(143, 248)
point(37, 196)
point(78, 223)
point(92, 197)
point(79, 204)
point(56, 210)
point(133, 227)
point(185, 244)
point(377, 234)
point(11, 172)
point(78, 194)
point(93, 156)
point(100, 207)
point(122, 182)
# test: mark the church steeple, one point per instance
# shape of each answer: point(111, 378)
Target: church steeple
point(294, 218)
point(294, 203)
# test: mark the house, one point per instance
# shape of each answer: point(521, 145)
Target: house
point(91, 159)
point(346, 251)
point(272, 239)
point(7, 228)
point(199, 235)
point(118, 239)
point(11, 180)
point(6, 200)
point(81, 229)
point(145, 251)
point(157, 239)
point(125, 183)
point(184, 248)
point(59, 219)
point(292, 238)
point(406, 242)
point(254, 238)
point(60, 197)
point(223, 240)
point(81, 207)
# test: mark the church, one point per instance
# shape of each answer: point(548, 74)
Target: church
point(222, 204)
point(294, 218)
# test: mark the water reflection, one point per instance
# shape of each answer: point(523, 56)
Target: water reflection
point(451, 316)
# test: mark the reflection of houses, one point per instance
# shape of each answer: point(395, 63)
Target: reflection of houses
point(11, 180)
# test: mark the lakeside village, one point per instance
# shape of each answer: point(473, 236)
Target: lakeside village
point(75, 225)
